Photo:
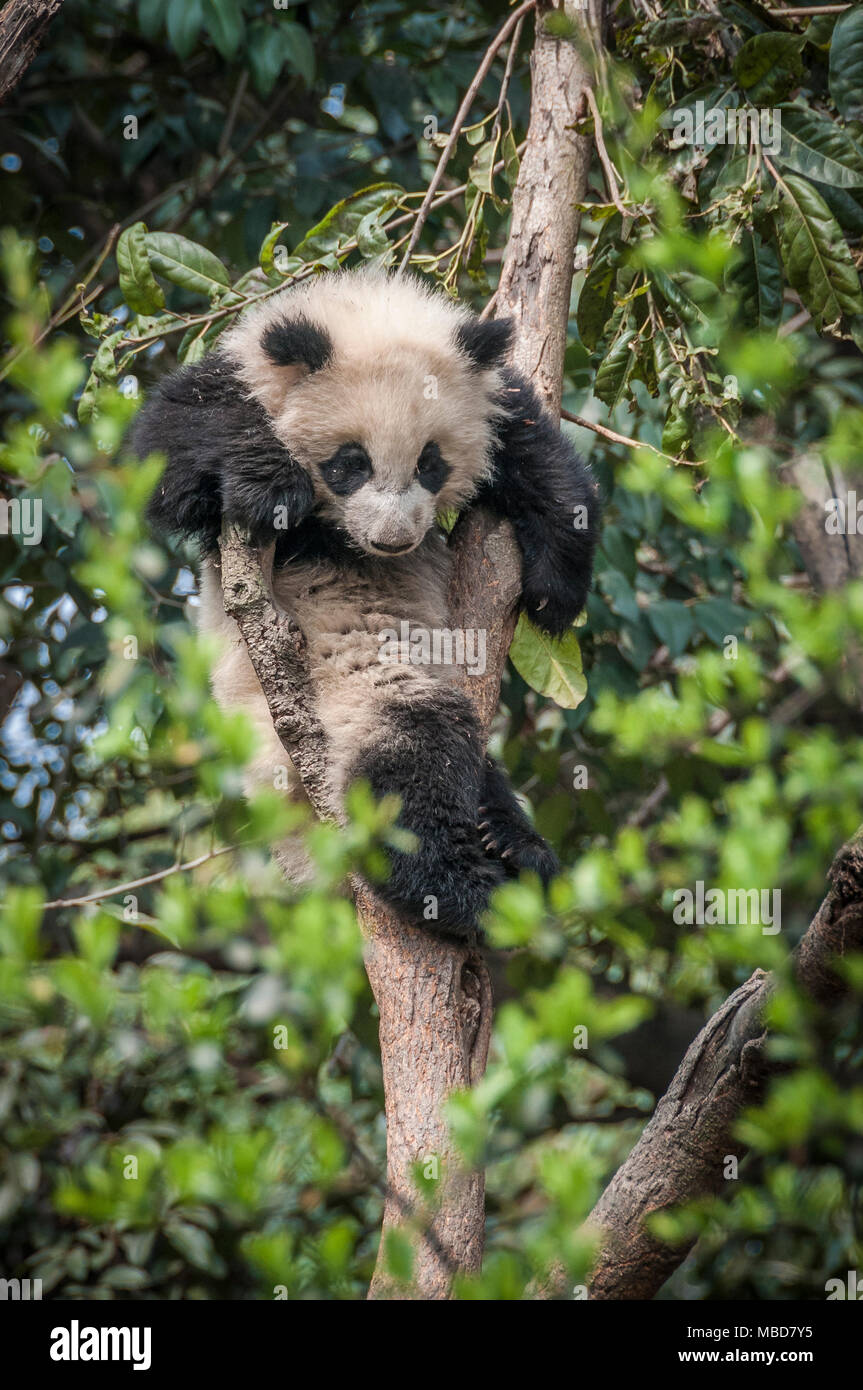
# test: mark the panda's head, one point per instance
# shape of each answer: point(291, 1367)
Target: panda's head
point(384, 392)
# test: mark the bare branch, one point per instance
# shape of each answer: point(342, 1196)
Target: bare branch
point(461, 116)
point(682, 1150)
point(157, 877)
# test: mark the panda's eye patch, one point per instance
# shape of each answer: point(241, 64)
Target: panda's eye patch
point(432, 470)
point(347, 470)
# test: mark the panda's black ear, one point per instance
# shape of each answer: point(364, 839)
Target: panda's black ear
point(223, 458)
point(297, 342)
point(484, 341)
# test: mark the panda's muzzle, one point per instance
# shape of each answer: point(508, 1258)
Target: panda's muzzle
point(391, 549)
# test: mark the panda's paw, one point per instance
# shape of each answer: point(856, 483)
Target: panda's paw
point(462, 889)
point(517, 845)
point(553, 592)
point(446, 891)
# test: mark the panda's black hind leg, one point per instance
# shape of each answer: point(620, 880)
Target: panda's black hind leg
point(429, 754)
point(506, 832)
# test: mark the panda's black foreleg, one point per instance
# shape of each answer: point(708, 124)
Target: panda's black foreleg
point(506, 832)
point(430, 755)
point(541, 485)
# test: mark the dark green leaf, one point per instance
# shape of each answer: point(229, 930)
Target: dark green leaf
point(819, 148)
point(596, 299)
point(768, 66)
point(615, 370)
point(757, 279)
point(342, 221)
point(185, 263)
point(225, 25)
point(138, 285)
point(184, 20)
point(846, 64)
point(815, 254)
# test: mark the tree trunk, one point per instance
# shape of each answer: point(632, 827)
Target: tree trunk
point(22, 25)
point(434, 996)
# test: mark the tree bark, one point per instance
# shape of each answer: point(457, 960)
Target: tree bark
point(536, 277)
point(682, 1151)
point(22, 26)
point(434, 996)
point(831, 560)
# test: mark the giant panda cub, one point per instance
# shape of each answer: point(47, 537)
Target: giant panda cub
point(340, 418)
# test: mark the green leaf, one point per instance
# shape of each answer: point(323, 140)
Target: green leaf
point(481, 175)
point(669, 33)
point(846, 64)
point(819, 148)
point(104, 369)
point(768, 66)
point(819, 30)
point(151, 17)
point(551, 666)
point(816, 256)
point(757, 279)
point(268, 246)
point(298, 50)
point(265, 56)
point(225, 25)
point(675, 297)
point(194, 1245)
point(719, 618)
point(271, 46)
point(596, 301)
point(511, 166)
point(185, 18)
point(615, 371)
point(372, 240)
point(673, 624)
point(677, 430)
point(342, 221)
point(139, 287)
point(185, 263)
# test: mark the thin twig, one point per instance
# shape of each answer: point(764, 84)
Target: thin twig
point(803, 10)
point(798, 321)
point(234, 111)
point(461, 117)
point(616, 438)
point(610, 176)
point(141, 882)
point(507, 78)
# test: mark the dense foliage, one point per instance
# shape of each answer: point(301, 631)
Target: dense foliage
point(190, 1091)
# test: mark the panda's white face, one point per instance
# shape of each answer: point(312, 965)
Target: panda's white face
point(380, 516)
point(379, 441)
point(392, 423)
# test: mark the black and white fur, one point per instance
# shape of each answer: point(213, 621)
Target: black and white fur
point(341, 417)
